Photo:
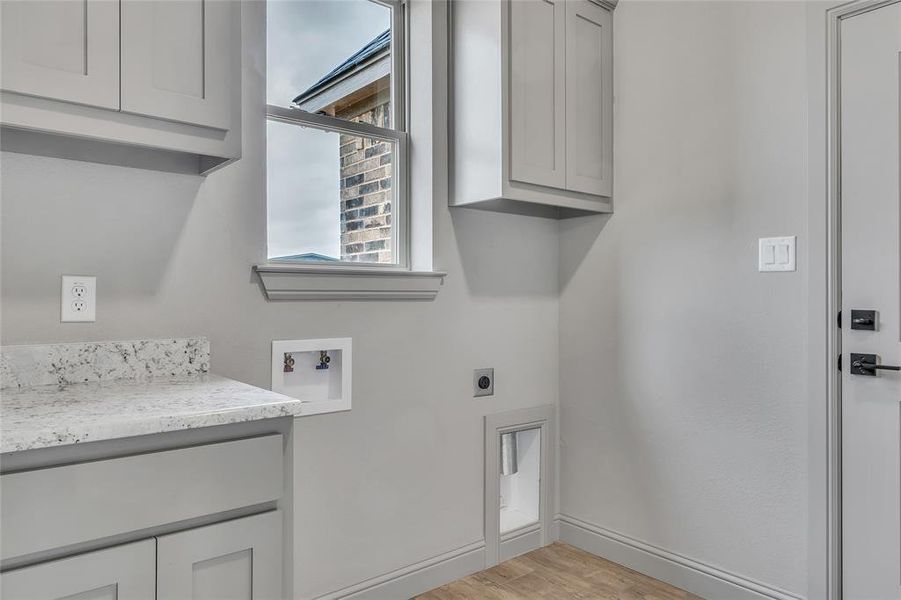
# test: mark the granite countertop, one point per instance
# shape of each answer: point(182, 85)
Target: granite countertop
point(53, 415)
point(70, 393)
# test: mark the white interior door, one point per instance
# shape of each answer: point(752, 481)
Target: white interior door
point(871, 266)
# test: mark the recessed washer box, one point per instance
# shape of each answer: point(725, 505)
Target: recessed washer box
point(317, 372)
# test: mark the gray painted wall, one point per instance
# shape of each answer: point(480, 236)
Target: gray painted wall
point(398, 479)
point(683, 370)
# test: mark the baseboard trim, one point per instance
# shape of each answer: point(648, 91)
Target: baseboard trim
point(689, 574)
point(518, 545)
point(417, 578)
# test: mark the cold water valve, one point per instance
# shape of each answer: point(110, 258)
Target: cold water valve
point(324, 360)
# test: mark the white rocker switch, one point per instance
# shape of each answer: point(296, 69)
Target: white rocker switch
point(777, 254)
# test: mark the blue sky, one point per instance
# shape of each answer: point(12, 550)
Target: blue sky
point(305, 40)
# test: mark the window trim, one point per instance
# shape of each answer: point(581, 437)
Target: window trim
point(427, 178)
point(397, 135)
point(400, 21)
point(310, 281)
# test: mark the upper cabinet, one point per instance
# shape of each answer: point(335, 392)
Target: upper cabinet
point(176, 60)
point(589, 99)
point(161, 75)
point(532, 106)
point(537, 92)
point(63, 50)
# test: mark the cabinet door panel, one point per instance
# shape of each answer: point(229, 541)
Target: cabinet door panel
point(235, 560)
point(177, 60)
point(121, 573)
point(589, 98)
point(537, 119)
point(62, 49)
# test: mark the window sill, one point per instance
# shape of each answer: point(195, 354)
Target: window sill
point(284, 281)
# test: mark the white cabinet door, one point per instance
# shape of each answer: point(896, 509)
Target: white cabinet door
point(121, 573)
point(235, 560)
point(177, 60)
point(589, 98)
point(62, 49)
point(537, 112)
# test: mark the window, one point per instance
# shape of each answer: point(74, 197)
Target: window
point(336, 141)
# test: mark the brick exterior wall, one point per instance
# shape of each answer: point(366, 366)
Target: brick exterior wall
point(366, 192)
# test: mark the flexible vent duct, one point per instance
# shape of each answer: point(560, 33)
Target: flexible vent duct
point(509, 460)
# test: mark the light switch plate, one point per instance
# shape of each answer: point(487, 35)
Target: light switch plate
point(777, 254)
point(78, 296)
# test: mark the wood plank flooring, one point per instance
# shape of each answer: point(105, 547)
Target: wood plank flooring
point(557, 572)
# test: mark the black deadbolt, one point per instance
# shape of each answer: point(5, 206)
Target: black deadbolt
point(863, 319)
point(484, 382)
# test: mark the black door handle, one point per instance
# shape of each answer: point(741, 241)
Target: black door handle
point(865, 364)
point(873, 367)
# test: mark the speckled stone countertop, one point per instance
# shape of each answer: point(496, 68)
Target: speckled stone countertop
point(53, 415)
point(60, 394)
point(79, 362)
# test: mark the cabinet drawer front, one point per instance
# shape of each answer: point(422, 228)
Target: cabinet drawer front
point(51, 508)
point(121, 573)
point(61, 49)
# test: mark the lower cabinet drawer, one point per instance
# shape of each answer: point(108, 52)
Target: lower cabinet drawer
point(121, 573)
point(57, 507)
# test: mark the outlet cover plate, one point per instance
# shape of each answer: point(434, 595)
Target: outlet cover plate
point(776, 254)
point(478, 385)
point(78, 299)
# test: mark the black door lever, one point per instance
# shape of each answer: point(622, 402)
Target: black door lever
point(865, 364)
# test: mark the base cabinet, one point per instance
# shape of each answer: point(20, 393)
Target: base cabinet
point(121, 573)
point(152, 519)
point(235, 560)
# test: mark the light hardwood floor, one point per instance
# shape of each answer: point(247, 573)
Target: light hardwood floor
point(557, 572)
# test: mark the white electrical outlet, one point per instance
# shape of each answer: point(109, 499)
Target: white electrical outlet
point(78, 299)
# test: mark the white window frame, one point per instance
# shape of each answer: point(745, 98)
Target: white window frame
point(424, 84)
point(397, 135)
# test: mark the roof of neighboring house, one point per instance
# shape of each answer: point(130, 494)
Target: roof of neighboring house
point(360, 57)
point(306, 256)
